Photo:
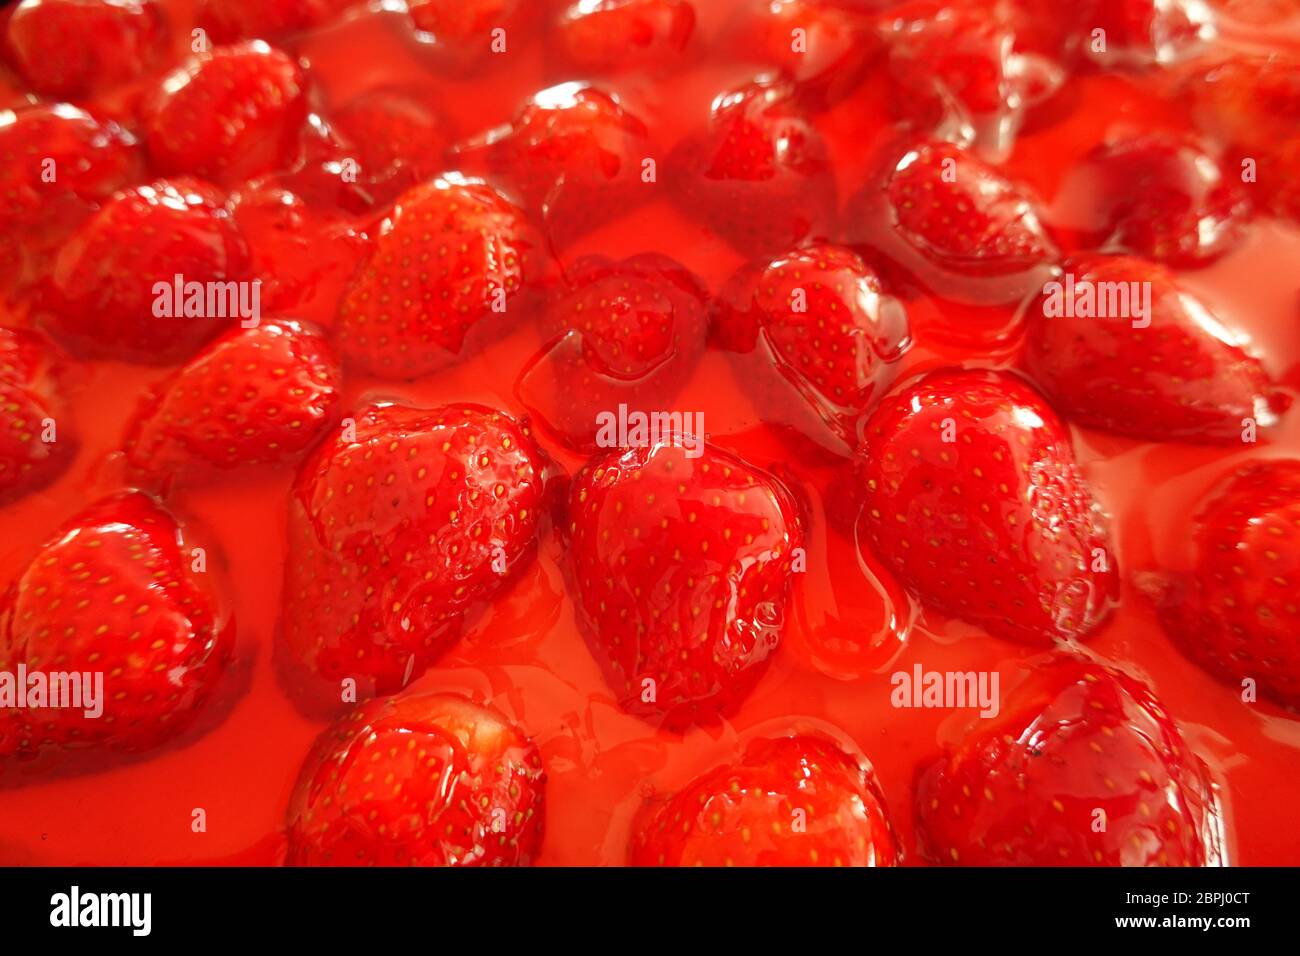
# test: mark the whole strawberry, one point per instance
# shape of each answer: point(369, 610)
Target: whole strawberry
point(610, 36)
point(469, 34)
point(680, 567)
point(260, 395)
point(625, 333)
point(830, 329)
point(788, 801)
point(1083, 767)
point(1171, 372)
point(111, 292)
point(396, 137)
point(35, 445)
point(760, 174)
point(434, 780)
point(229, 114)
point(231, 20)
point(69, 48)
point(1235, 613)
point(400, 526)
point(453, 254)
point(117, 592)
point(972, 496)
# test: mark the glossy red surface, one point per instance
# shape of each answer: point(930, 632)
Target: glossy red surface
point(852, 625)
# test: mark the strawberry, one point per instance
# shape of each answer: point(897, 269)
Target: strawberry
point(972, 496)
point(67, 48)
point(99, 301)
point(1252, 103)
point(396, 138)
point(259, 395)
point(761, 175)
point(574, 154)
point(1236, 613)
point(399, 527)
point(30, 455)
point(957, 72)
point(628, 332)
point(610, 36)
point(789, 801)
point(680, 570)
point(1173, 374)
point(231, 20)
point(463, 30)
point(229, 114)
point(453, 253)
point(1143, 32)
point(831, 330)
point(822, 47)
point(433, 780)
point(57, 156)
point(1162, 197)
point(115, 592)
point(1082, 767)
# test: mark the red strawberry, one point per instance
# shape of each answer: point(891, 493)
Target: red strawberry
point(1172, 374)
point(259, 395)
point(464, 30)
point(626, 332)
point(400, 527)
point(229, 114)
point(823, 47)
point(231, 20)
point(609, 36)
point(115, 592)
point(452, 254)
point(1142, 32)
point(761, 176)
point(575, 155)
point(100, 297)
point(1083, 767)
point(28, 400)
point(68, 48)
point(435, 780)
point(396, 138)
point(1252, 103)
point(1236, 613)
point(789, 801)
point(823, 317)
point(959, 74)
point(53, 157)
point(972, 496)
point(680, 573)
point(1162, 197)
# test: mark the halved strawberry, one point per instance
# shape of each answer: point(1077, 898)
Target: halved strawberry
point(31, 454)
point(954, 223)
point(115, 592)
point(1083, 767)
point(260, 395)
point(620, 333)
point(760, 175)
point(972, 496)
point(434, 780)
point(573, 152)
point(396, 138)
point(452, 254)
point(101, 296)
point(229, 114)
point(69, 48)
point(958, 73)
point(399, 527)
point(232, 20)
point(789, 801)
point(680, 570)
point(1237, 613)
point(1164, 197)
point(608, 36)
point(822, 317)
point(1172, 373)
